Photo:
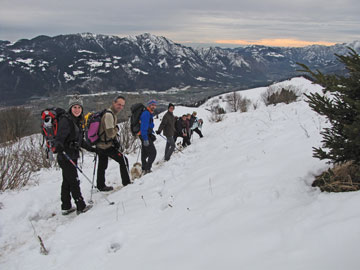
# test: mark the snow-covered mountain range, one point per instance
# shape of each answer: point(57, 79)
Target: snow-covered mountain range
point(91, 63)
point(239, 198)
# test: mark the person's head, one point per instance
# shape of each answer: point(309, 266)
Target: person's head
point(194, 113)
point(151, 105)
point(75, 105)
point(118, 103)
point(188, 116)
point(171, 107)
point(183, 117)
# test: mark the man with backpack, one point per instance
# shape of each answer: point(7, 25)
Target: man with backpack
point(147, 137)
point(108, 145)
point(168, 127)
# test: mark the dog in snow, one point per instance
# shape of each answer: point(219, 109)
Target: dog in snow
point(136, 171)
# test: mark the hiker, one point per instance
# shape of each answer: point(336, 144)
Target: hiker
point(147, 137)
point(180, 127)
point(168, 127)
point(187, 128)
point(108, 145)
point(69, 138)
point(196, 124)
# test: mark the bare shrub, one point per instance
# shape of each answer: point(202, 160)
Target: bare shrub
point(237, 103)
point(19, 160)
point(127, 140)
point(15, 122)
point(15, 171)
point(35, 153)
point(278, 94)
point(217, 114)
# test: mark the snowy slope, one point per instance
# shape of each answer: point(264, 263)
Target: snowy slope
point(239, 198)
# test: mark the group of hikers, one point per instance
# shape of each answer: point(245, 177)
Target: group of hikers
point(70, 138)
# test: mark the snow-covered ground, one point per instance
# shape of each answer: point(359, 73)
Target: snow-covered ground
point(239, 198)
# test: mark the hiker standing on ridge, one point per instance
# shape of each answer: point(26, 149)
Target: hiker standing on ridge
point(196, 124)
point(108, 146)
point(69, 138)
point(168, 127)
point(147, 137)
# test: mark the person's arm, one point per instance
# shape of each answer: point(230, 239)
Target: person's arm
point(144, 124)
point(62, 133)
point(110, 126)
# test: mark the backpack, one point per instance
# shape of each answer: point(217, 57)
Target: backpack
point(136, 111)
point(92, 126)
point(49, 126)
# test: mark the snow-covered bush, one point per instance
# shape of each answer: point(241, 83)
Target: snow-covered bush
point(277, 94)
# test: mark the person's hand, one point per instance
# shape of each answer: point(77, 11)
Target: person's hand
point(158, 132)
point(146, 143)
point(58, 149)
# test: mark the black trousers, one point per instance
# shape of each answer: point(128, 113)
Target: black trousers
point(198, 131)
point(148, 155)
point(70, 186)
point(103, 164)
point(170, 147)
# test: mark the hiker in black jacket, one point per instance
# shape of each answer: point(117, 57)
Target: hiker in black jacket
point(168, 127)
point(69, 138)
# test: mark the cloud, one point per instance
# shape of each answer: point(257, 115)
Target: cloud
point(195, 21)
point(275, 42)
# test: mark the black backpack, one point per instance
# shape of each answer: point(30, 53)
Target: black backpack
point(49, 126)
point(136, 111)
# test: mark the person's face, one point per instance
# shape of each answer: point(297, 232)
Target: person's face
point(152, 107)
point(171, 109)
point(119, 104)
point(76, 110)
point(188, 117)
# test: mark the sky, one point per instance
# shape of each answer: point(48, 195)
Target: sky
point(225, 23)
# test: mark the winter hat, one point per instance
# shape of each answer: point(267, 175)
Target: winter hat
point(152, 102)
point(75, 100)
point(194, 113)
point(171, 105)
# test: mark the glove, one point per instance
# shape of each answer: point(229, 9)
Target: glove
point(158, 132)
point(146, 143)
point(58, 149)
point(117, 128)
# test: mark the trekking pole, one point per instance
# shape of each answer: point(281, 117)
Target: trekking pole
point(175, 144)
point(92, 183)
point(87, 178)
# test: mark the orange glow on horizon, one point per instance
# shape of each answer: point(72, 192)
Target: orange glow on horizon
point(276, 42)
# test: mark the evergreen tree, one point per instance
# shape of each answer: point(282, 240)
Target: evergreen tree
point(341, 106)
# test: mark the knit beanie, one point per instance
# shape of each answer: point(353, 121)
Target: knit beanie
point(75, 100)
point(152, 102)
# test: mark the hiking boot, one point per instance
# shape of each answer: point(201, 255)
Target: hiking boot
point(85, 209)
point(65, 212)
point(146, 172)
point(106, 188)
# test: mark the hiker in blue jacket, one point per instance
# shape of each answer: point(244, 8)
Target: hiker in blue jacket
point(148, 150)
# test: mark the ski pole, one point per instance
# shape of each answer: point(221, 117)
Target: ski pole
point(92, 183)
point(175, 144)
point(87, 178)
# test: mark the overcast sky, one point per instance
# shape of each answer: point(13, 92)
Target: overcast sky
point(273, 22)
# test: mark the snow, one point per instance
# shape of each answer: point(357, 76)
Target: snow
point(239, 198)
point(200, 79)
point(78, 72)
point(68, 77)
point(140, 71)
point(273, 54)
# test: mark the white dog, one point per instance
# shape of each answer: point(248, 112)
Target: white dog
point(136, 171)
